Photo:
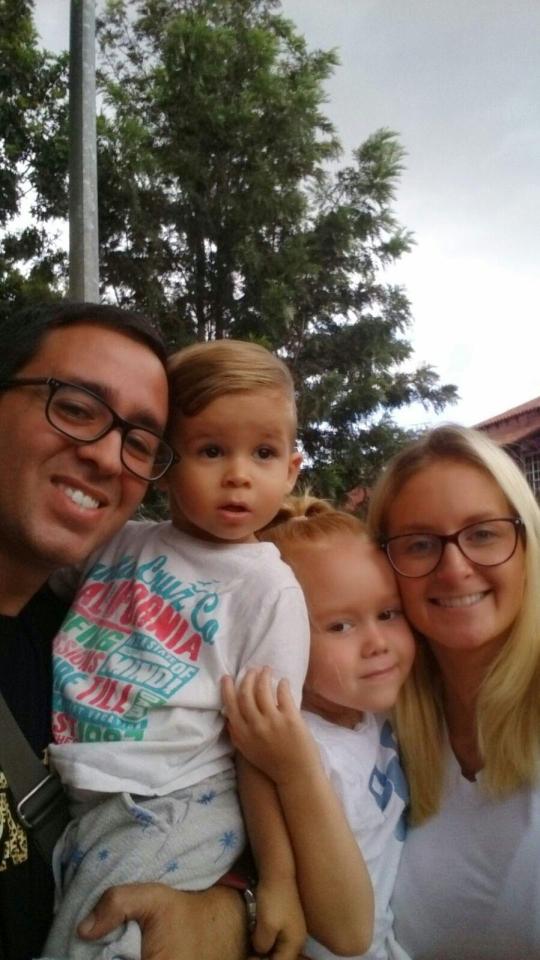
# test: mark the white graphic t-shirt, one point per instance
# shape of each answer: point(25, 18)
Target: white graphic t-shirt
point(158, 619)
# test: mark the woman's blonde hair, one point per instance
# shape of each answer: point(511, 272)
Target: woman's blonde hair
point(202, 372)
point(508, 707)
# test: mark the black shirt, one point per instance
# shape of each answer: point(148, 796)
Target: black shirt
point(26, 886)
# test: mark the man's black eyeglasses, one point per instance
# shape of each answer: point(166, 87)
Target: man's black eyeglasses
point(488, 544)
point(85, 417)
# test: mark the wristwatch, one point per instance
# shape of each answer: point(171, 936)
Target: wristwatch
point(246, 888)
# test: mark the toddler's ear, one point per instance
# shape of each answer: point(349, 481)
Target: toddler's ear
point(295, 462)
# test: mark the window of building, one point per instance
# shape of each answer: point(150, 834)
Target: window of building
point(532, 471)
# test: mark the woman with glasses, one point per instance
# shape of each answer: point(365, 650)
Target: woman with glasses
point(461, 528)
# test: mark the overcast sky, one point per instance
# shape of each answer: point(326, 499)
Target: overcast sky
point(459, 80)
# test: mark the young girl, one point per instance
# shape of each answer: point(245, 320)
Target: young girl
point(361, 652)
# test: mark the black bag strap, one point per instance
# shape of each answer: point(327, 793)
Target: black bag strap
point(41, 802)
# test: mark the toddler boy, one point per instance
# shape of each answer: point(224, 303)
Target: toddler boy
point(162, 613)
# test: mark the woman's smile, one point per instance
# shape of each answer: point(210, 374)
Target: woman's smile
point(467, 600)
point(460, 604)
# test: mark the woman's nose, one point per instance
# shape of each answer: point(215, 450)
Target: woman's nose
point(453, 562)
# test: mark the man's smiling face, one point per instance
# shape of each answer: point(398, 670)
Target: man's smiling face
point(60, 500)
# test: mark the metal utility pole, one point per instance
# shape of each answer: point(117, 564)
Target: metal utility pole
point(83, 214)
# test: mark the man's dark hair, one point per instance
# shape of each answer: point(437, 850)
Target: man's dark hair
point(22, 333)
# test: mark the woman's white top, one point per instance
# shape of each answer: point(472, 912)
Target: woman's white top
point(468, 885)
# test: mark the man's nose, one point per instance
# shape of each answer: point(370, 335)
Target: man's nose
point(105, 453)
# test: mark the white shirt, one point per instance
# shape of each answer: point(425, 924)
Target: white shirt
point(159, 618)
point(363, 767)
point(468, 887)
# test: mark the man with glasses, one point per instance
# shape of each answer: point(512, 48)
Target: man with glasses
point(82, 415)
point(83, 409)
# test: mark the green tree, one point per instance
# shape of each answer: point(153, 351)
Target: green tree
point(33, 157)
point(224, 213)
point(215, 126)
point(352, 344)
point(221, 214)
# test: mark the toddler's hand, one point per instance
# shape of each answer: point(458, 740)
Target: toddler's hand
point(269, 731)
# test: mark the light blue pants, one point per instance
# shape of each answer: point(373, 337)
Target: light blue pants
point(186, 840)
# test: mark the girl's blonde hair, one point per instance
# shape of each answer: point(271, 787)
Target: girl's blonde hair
point(202, 372)
point(304, 519)
point(508, 707)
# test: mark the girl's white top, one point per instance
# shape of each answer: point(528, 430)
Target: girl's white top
point(363, 767)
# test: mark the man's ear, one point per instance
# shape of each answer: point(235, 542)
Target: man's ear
point(295, 462)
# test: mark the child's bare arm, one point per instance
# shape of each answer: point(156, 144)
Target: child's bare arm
point(280, 930)
point(332, 877)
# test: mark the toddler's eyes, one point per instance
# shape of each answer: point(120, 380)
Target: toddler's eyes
point(211, 451)
point(389, 614)
point(341, 626)
point(265, 453)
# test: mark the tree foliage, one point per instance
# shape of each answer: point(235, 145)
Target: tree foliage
point(215, 128)
point(33, 157)
point(224, 213)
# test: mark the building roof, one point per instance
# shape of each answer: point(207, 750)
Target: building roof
point(511, 434)
point(518, 425)
point(513, 412)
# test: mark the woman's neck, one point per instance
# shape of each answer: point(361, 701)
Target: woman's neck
point(460, 716)
point(462, 673)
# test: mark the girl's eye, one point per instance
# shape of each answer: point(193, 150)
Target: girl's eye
point(342, 626)
point(211, 451)
point(389, 614)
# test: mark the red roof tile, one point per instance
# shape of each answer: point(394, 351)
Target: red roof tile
point(510, 433)
point(513, 412)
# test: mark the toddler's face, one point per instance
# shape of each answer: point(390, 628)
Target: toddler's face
point(236, 465)
point(361, 645)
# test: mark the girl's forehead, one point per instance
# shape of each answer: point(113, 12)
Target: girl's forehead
point(342, 564)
